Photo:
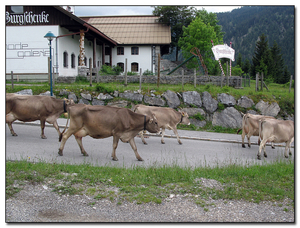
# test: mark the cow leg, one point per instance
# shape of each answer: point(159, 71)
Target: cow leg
point(115, 145)
point(65, 137)
point(290, 143)
point(79, 141)
point(42, 129)
point(243, 138)
point(9, 120)
point(133, 146)
point(248, 138)
point(142, 137)
point(265, 153)
point(176, 133)
point(262, 144)
point(55, 125)
point(11, 129)
point(286, 149)
point(272, 145)
point(162, 135)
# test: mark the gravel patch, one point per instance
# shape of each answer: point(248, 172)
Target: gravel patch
point(38, 203)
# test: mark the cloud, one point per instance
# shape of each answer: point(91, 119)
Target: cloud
point(136, 10)
point(112, 10)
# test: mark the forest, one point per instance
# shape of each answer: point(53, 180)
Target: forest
point(263, 37)
point(245, 25)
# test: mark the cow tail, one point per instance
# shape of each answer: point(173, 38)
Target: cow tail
point(135, 108)
point(239, 130)
point(61, 134)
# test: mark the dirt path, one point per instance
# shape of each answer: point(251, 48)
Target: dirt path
point(38, 203)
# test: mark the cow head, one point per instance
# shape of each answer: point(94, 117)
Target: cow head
point(69, 101)
point(184, 118)
point(151, 124)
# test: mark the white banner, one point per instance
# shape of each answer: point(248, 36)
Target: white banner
point(223, 51)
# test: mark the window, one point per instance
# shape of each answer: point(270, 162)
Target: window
point(90, 62)
point(17, 9)
point(134, 67)
point(73, 61)
point(134, 50)
point(121, 65)
point(120, 51)
point(65, 59)
point(107, 50)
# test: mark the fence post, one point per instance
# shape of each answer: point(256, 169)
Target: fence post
point(182, 79)
point(256, 83)
point(227, 80)
point(125, 71)
point(291, 83)
point(12, 80)
point(249, 79)
point(195, 78)
point(91, 73)
point(262, 81)
point(140, 79)
point(158, 69)
point(221, 80)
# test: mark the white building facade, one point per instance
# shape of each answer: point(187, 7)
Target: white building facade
point(27, 50)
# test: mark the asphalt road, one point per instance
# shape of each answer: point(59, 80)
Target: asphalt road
point(198, 149)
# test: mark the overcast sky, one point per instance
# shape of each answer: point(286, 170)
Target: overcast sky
point(135, 10)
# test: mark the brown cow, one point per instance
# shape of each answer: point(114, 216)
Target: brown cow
point(278, 131)
point(166, 118)
point(102, 122)
point(250, 126)
point(28, 108)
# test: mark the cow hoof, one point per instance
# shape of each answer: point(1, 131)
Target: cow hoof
point(162, 142)
point(258, 157)
point(115, 159)
point(14, 134)
point(249, 146)
point(60, 153)
point(43, 137)
point(180, 143)
point(85, 154)
point(243, 145)
point(273, 147)
point(145, 143)
point(265, 155)
point(140, 159)
point(286, 156)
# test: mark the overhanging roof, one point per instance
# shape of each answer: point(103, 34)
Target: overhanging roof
point(132, 29)
point(93, 32)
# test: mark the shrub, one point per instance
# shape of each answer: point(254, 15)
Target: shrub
point(103, 89)
point(108, 70)
point(148, 72)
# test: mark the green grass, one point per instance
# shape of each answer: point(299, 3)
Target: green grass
point(268, 182)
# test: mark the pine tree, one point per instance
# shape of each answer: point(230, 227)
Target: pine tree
point(286, 76)
point(276, 68)
point(239, 60)
point(261, 58)
point(246, 66)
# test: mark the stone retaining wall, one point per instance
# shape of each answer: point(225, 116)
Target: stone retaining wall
point(234, 81)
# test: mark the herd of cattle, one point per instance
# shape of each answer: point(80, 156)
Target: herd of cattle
point(124, 124)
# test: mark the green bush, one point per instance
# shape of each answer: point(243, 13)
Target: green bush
point(103, 89)
point(108, 70)
point(131, 73)
point(148, 72)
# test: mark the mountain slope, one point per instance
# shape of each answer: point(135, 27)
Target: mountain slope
point(243, 27)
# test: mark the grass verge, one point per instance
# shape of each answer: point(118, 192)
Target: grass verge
point(269, 182)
